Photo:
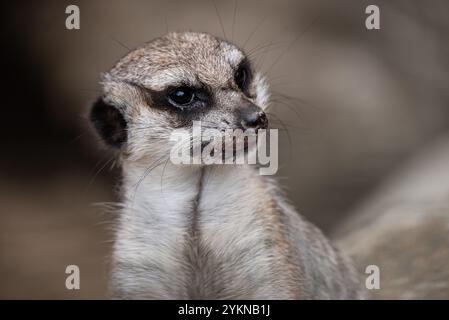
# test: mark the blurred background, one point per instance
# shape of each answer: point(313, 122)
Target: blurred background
point(355, 104)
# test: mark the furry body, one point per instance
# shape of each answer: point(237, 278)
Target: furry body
point(203, 232)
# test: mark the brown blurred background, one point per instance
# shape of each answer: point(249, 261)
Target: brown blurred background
point(356, 105)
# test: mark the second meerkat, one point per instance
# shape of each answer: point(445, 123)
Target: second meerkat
point(203, 232)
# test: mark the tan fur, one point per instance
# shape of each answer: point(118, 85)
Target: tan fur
point(206, 232)
point(403, 228)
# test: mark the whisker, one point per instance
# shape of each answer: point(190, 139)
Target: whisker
point(262, 49)
point(286, 105)
point(98, 172)
point(281, 55)
point(295, 99)
point(166, 23)
point(287, 132)
point(78, 137)
point(258, 25)
point(233, 19)
point(147, 171)
point(219, 20)
point(162, 178)
point(121, 43)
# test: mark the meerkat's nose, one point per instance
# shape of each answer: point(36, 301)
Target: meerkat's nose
point(253, 117)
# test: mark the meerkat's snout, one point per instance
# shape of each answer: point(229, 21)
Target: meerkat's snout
point(252, 116)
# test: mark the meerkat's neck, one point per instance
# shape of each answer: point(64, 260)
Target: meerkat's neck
point(178, 198)
point(218, 232)
point(173, 191)
point(164, 191)
point(182, 220)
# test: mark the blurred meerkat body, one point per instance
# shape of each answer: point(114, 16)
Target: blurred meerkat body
point(403, 229)
point(197, 231)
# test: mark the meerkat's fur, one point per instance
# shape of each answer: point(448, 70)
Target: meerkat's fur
point(203, 232)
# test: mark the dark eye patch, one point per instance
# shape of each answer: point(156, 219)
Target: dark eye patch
point(178, 99)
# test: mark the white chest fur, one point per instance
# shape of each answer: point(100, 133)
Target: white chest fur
point(214, 232)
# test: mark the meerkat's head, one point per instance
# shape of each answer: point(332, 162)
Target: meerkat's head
point(172, 81)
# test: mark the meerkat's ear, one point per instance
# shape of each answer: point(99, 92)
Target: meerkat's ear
point(109, 123)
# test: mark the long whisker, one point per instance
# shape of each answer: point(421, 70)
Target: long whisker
point(166, 23)
point(147, 171)
point(287, 105)
point(295, 99)
point(233, 19)
point(98, 171)
point(162, 179)
point(77, 138)
point(287, 132)
point(262, 49)
point(219, 20)
point(258, 25)
point(121, 43)
point(281, 55)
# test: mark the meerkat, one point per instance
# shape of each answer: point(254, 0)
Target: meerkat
point(203, 231)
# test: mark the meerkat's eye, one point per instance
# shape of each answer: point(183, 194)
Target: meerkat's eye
point(241, 77)
point(181, 96)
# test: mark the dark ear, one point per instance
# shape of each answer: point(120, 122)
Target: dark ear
point(109, 123)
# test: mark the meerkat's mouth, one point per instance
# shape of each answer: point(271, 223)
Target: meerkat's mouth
point(230, 149)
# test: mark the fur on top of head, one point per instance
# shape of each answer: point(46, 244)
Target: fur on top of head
point(170, 82)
